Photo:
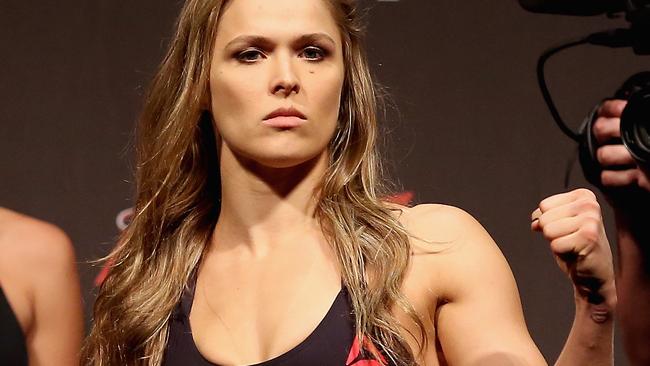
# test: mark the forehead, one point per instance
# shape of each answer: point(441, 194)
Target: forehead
point(276, 19)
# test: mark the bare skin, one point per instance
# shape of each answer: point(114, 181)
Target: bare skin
point(39, 277)
point(269, 276)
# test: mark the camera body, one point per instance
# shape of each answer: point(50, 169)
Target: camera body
point(635, 128)
point(635, 120)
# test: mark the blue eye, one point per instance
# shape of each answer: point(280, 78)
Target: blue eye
point(313, 53)
point(249, 56)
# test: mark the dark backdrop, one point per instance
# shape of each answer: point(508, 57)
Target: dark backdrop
point(469, 127)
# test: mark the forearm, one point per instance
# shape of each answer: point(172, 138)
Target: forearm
point(590, 341)
point(633, 284)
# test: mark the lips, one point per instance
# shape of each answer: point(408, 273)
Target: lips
point(285, 118)
point(285, 112)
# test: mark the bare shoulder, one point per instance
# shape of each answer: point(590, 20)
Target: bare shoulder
point(36, 258)
point(471, 282)
point(447, 226)
point(27, 243)
point(39, 276)
point(451, 248)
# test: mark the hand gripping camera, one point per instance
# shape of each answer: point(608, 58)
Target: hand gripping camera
point(635, 127)
point(635, 121)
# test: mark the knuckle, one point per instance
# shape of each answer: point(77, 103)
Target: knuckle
point(618, 105)
point(590, 229)
point(601, 154)
point(606, 178)
point(598, 217)
point(599, 127)
point(642, 181)
point(588, 204)
point(543, 221)
point(544, 206)
point(557, 246)
point(584, 192)
point(602, 108)
point(546, 232)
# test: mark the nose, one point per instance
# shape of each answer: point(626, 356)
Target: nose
point(285, 78)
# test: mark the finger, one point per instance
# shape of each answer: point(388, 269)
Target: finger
point(564, 198)
point(534, 216)
point(581, 242)
point(556, 200)
point(560, 228)
point(606, 129)
point(556, 213)
point(612, 108)
point(644, 181)
point(611, 155)
point(585, 207)
point(619, 178)
point(534, 225)
point(565, 244)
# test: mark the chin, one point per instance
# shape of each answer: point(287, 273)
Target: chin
point(281, 154)
point(288, 161)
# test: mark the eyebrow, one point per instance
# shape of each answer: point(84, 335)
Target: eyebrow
point(266, 42)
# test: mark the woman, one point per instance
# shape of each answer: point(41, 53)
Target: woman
point(260, 236)
point(40, 302)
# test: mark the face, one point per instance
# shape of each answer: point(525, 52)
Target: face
point(275, 80)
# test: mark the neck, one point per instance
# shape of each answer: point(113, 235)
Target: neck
point(264, 207)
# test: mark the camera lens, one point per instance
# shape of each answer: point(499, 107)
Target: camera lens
point(635, 125)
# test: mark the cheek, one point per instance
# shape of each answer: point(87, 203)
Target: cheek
point(231, 101)
point(327, 98)
point(231, 97)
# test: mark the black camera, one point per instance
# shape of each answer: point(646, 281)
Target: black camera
point(635, 120)
point(635, 128)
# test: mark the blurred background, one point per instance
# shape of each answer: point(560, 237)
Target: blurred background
point(467, 125)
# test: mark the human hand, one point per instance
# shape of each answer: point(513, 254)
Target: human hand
point(619, 168)
point(573, 225)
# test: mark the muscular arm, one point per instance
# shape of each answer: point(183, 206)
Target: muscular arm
point(58, 327)
point(572, 223)
point(39, 265)
point(590, 342)
point(481, 321)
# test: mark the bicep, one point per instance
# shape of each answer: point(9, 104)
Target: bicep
point(482, 322)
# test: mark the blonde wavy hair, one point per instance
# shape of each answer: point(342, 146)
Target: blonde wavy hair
point(178, 195)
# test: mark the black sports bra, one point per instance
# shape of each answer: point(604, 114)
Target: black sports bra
point(332, 343)
point(13, 350)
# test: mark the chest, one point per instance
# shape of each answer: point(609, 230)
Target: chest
point(328, 335)
point(267, 325)
point(259, 319)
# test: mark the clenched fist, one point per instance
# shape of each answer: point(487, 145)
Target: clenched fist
point(573, 225)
